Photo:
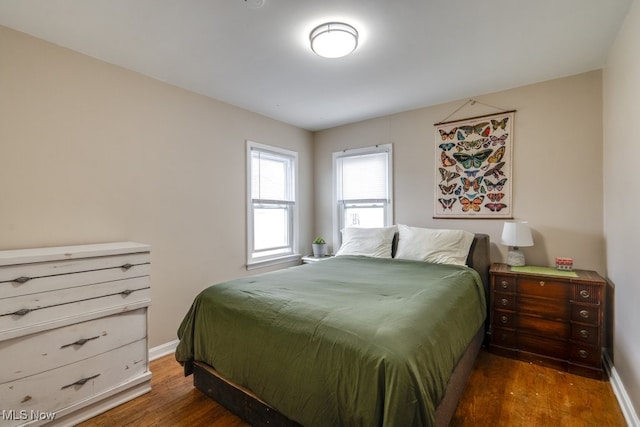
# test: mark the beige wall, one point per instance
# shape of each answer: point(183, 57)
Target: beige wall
point(557, 167)
point(622, 197)
point(90, 153)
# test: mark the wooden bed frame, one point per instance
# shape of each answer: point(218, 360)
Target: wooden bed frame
point(256, 412)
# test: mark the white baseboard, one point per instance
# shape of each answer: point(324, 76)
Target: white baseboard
point(163, 350)
point(626, 406)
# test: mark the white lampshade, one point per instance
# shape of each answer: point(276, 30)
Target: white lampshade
point(516, 234)
point(333, 39)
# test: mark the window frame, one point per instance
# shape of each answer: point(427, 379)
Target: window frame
point(254, 260)
point(338, 205)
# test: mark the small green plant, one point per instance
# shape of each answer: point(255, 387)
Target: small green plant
point(319, 241)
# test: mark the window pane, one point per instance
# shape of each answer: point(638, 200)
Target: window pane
point(363, 188)
point(271, 208)
point(363, 177)
point(269, 176)
point(271, 228)
point(364, 216)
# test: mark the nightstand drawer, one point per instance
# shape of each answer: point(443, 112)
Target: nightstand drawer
point(541, 345)
point(585, 355)
point(543, 307)
point(544, 288)
point(504, 319)
point(586, 294)
point(585, 334)
point(505, 284)
point(503, 337)
point(504, 301)
point(585, 314)
point(543, 327)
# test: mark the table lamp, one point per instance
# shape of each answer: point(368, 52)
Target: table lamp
point(516, 234)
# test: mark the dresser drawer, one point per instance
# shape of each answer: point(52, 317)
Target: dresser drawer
point(543, 307)
point(504, 319)
point(585, 355)
point(588, 294)
point(543, 327)
point(584, 334)
point(585, 314)
point(43, 351)
point(504, 284)
point(544, 288)
point(58, 388)
point(44, 300)
point(543, 346)
point(504, 301)
point(135, 293)
point(503, 337)
point(28, 279)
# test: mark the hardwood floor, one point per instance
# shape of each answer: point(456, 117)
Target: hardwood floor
point(506, 392)
point(500, 392)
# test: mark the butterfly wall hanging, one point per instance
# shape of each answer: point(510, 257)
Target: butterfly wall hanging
point(473, 167)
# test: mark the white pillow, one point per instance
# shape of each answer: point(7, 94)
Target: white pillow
point(371, 242)
point(434, 245)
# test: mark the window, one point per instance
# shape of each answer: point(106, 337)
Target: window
point(271, 212)
point(363, 188)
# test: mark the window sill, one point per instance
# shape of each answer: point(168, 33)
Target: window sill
point(274, 261)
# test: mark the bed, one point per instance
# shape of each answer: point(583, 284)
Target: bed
point(352, 340)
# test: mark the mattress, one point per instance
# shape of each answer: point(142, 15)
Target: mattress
point(346, 341)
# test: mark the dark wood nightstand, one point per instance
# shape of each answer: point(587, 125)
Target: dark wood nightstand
point(548, 317)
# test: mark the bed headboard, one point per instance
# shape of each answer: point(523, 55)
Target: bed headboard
point(479, 257)
point(480, 260)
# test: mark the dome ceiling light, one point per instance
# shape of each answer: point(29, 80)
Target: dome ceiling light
point(333, 39)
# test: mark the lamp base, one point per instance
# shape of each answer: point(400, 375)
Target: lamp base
point(515, 258)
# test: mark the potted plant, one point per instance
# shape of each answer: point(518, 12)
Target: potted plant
point(319, 247)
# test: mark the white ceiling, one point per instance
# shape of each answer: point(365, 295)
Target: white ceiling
point(412, 53)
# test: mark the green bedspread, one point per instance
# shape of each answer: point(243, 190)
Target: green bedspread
point(347, 341)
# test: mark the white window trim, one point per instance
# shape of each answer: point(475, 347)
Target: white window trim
point(253, 263)
point(388, 148)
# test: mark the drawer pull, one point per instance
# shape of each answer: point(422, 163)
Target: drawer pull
point(504, 284)
point(22, 279)
point(126, 266)
point(81, 341)
point(584, 314)
point(541, 282)
point(504, 319)
point(80, 381)
point(127, 292)
point(504, 302)
point(584, 293)
point(21, 312)
point(584, 333)
point(583, 353)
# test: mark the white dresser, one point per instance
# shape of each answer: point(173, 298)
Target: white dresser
point(73, 331)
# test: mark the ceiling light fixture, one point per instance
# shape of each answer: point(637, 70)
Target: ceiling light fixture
point(333, 39)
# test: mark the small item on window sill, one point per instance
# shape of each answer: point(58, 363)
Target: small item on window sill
point(565, 264)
